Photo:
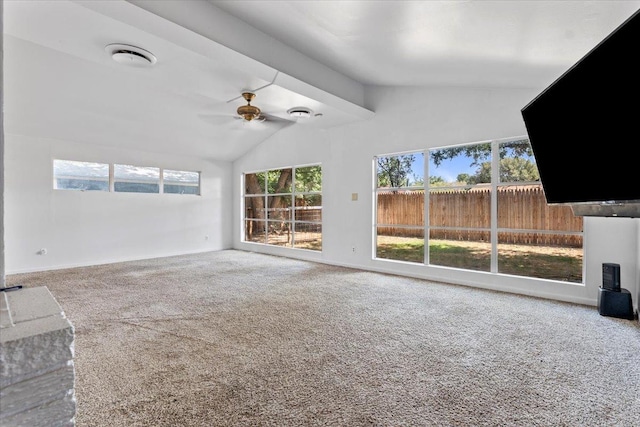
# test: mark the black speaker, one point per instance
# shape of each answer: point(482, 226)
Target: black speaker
point(611, 276)
point(615, 303)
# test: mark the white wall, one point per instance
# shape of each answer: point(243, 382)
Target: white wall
point(2, 266)
point(410, 119)
point(84, 228)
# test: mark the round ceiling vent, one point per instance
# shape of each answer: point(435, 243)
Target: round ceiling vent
point(130, 55)
point(300, 112)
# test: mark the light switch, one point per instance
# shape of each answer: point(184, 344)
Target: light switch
point(354, 197)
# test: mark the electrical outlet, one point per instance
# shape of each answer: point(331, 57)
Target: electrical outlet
point(353, 249)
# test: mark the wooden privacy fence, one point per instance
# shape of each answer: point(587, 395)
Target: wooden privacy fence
point(522, 208)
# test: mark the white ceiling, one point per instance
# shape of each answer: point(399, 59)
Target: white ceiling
point(60, 82)
point(524, 44)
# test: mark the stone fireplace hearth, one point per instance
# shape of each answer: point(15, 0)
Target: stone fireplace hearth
point(37, 373)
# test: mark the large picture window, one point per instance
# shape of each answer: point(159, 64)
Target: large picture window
point(400, 207)
point(283, 207)
point(485, 211)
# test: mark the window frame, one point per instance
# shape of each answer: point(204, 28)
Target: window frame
point(112, 179)
point(494, 229)
point(56, 177)
point(293, 224)
point(157, 181)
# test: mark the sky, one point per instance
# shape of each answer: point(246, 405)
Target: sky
point(448, 169)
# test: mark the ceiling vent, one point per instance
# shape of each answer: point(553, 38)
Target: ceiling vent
point(130, 55)
point(300, 112)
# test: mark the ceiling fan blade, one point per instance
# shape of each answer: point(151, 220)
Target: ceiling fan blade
point(276, 119)
point(216, 119)
point(263, 124)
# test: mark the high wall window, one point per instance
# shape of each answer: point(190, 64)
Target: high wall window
point(85, 176)
point(136, 179)
point(181, 182)
point(485, 211)
point(88, 176)
point(283, 207)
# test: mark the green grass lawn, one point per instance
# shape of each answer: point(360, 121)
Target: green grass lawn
point(562, 264)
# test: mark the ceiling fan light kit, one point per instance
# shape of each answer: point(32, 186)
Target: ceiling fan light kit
point(130, 55)
point(248, 112)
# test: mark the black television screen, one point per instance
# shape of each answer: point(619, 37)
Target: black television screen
point(584, 128)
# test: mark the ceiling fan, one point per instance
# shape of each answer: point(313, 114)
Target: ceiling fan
point(249, 112)
point(251, 116)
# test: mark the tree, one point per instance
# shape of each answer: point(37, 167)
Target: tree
point(436, 181)
point(309, 179)
point(477, 152)
point(482, 152)
point(515, 163)
point(254, 206)
point(394, 171)
point(463, 178)
point(513, 169)
point(280, 182)
point(482, 175)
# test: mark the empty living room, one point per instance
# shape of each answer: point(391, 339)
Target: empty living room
point(319, 213)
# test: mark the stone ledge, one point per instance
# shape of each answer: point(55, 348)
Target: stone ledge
point(36, 391)
point(55, 413)
point(37, 377)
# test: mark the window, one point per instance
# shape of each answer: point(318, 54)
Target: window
point(180, 182)
point(136, 179)
point(307, 215)
point(400, 207)
point(460, 207)
point(283, 207)
point(85, 176)
point(486, 211)
point(534, 239)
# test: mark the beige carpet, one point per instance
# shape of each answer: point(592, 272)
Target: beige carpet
point(240, 339)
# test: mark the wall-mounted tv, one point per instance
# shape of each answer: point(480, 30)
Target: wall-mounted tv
point(584, 128)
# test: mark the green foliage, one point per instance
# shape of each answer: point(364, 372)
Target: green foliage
point(482, 175)
point(436, 181)
point(480, 153)
point(309, 179)
point(514, 169)
point(393, 171)
point(279, 181)
point(476, 152)
point(464, 178)
point(515, 163)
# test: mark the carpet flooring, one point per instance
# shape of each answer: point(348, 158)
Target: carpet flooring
point(233, 338)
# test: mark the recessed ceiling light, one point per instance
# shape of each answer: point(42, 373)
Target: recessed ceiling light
point(130, 55)
point(300, 112)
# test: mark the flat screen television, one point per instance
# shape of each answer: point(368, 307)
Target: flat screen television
point(584, 128)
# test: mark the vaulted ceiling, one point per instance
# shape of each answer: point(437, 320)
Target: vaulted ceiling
point(61, 82)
